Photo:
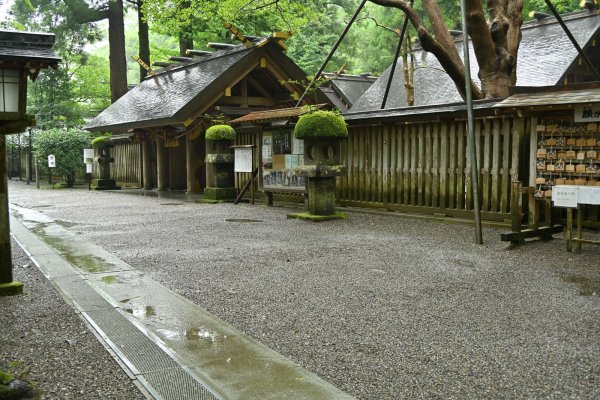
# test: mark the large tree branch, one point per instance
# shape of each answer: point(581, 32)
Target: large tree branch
point(440, 30)
point(430, 44)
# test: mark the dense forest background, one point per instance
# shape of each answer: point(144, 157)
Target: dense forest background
point(81, 87)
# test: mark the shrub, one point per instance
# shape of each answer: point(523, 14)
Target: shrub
point(327, 124)
point(67, 146)
point(220, 132)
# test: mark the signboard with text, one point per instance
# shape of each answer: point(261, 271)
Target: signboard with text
point(565, 196)
point(243, 159)
point(51, 161)
point(587, 113)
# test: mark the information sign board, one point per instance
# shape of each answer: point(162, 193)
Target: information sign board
point(243, 159)
point(88, 156)
point(565, 196)
point(51, 161)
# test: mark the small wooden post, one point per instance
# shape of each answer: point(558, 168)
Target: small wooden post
point(534, 211)
point(569, 230)
point(580, 208)
point(516, 209)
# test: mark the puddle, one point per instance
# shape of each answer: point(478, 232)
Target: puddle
point(376, 271)
point(464, 263)
point(109, 280)
point(587, 286)
point(65, 224)
point(142, 313)
point(243, 220)
point(61, 243)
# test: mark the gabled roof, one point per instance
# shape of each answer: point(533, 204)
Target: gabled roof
point(545, 55)
point(178, 93)
point(344, 90)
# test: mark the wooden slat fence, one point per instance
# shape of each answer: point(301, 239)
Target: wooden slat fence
point(425, 168)
point(127, 168)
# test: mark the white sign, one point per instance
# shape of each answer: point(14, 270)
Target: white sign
point(243, 159)
point(88, 168)
point(565, 196)
point(587, 113)
point(88, 156)
point(51, 161)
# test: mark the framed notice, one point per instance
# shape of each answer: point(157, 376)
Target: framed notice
point(243, 159)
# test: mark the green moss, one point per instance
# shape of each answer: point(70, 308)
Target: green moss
point(101, 141)
point(317, 218)
point(5, 378)
point(220, 132)
point(11, 289)
point(321, 124)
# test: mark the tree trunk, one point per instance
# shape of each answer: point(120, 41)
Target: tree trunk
point(144, 40)
point(186, 36)
point(116, 39)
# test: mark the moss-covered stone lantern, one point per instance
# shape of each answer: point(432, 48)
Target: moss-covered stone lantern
point(322, 132)
point(220, 178)
point(103, 144)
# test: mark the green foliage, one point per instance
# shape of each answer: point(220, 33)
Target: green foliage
point(562, 6)
point(66, 145)
point(206, 18)
point(220, 132)
point(65, 96)
point(321, 124)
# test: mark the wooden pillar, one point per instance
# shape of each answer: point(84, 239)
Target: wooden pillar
point(191, 164)
point(147, 163)
point(5, 253)
point(162, 165)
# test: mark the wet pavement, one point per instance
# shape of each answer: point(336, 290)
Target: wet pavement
point(380, 306)
point(218, 361)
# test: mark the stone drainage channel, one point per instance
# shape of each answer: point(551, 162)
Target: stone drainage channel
point(168, 345)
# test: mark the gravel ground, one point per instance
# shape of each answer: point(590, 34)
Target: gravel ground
point(39, 332)
point(383, 307)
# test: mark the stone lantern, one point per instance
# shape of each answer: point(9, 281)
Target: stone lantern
point(220, 178)
point(322, 132)
point(22, 56)
point(103, 144)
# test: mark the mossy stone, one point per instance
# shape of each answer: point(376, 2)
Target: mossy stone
point(220, 132)
point(102, 142)
point(321, 124)
point(220, 194)
point(317, 218)
point(11, 289)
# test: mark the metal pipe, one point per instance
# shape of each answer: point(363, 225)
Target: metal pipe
point(470, 125)
point(391, 78)
point(335, 46)
point(572, 39)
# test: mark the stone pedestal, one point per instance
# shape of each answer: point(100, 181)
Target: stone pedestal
point(220, 178)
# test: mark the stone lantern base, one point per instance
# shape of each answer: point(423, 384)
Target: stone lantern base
point(321, 192)
point(105, 184)
point(220, 194)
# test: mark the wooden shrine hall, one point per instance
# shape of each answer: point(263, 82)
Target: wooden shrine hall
point(166, 114)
